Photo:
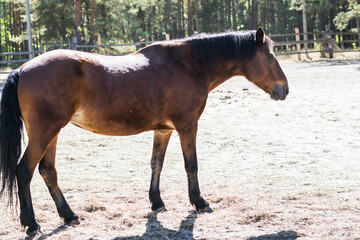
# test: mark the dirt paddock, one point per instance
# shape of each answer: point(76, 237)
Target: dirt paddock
point(270, 170)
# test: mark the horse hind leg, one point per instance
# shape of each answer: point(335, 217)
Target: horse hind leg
point(41, 138)
point(48, 172)
point(161, 140)
point(24, 173)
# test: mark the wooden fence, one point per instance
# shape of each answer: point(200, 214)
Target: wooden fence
point(285, 44)
point(325, 43)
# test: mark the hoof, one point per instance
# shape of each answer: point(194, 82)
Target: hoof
point(74, 220)
point(161, 209)
point(158, 206)
point(206, 209)
point(32, 231)
point(202, 206)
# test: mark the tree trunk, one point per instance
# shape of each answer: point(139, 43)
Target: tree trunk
point(204, 16)
point(92, 22)
point(6, 28)
point(228, 13)
point(222, 16)
point(305, 29)
point(15, 25)
point(255, 26)
point(358, 28)
point(264, 11)
point(190, 27)
point(1, 46)
point(87, 16)
point(179, 19)
point(150, 25)
point(196, 13)
point(174, 30)
point(11, 25)
point(19, 25)
point(77, 6)
point(271, 14)
point(248, 18)
point(57, 26)
point(183, 19)
point(234, 25)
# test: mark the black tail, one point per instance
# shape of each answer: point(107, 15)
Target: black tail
point(10, 135)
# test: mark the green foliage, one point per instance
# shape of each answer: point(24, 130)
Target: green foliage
point(54, 17)
point(342, 19)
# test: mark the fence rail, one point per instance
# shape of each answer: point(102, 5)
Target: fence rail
point(325, 43)
point(285, 44)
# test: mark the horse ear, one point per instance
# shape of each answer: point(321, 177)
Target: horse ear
point(260, 36)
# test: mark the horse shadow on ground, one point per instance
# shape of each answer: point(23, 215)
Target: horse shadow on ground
point(283, 235)
point(44, 236)
point(155, 230)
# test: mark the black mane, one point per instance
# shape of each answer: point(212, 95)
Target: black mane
point(235, 46)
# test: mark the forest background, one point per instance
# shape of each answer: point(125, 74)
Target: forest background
point(109, 22)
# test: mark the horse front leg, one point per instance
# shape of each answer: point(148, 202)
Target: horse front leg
point(188, 145)
point(161, 140)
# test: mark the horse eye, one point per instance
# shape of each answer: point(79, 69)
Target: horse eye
point(271, 58)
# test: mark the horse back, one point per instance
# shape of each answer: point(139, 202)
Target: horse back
point(109, 95)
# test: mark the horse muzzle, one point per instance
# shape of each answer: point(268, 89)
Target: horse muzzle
point(280, 92)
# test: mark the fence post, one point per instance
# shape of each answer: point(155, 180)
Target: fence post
point(137, 46)
point(305, 29)
point(329, 41)
point(30, 48)
point(358, 28)
point(99, 42)
point(330, 46)
point(74, 42)
point(298, 47)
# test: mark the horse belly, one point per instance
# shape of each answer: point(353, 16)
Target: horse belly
point(111, 126)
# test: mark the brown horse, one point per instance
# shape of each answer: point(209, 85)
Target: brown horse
point(162, 87)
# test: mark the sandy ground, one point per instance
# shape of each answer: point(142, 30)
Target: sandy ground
point(270, 170)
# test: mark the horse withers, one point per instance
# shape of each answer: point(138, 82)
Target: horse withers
point(162, 87)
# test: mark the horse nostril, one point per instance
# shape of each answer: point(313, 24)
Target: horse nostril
point(279, 92)
point(275, 95)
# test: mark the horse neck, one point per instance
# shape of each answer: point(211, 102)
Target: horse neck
point(210, 75)
point(222, 71)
